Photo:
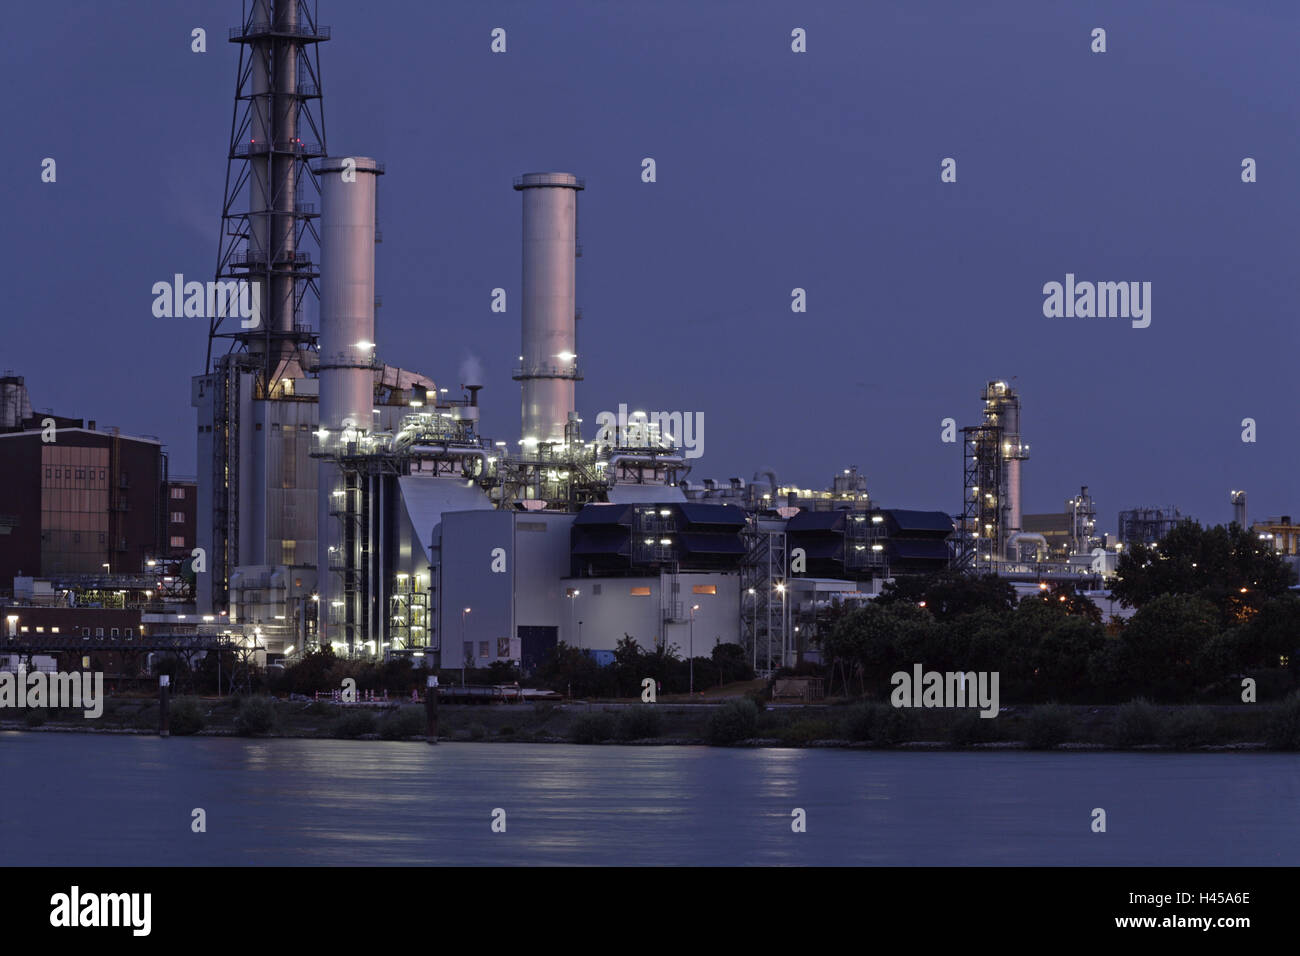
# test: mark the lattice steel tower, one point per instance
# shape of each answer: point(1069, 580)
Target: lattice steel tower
point(277, 128)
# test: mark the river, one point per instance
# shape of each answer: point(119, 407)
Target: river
point(72, 799)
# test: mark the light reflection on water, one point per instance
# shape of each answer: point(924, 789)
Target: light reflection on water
point(75, 800)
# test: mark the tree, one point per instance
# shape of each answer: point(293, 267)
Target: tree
point(1228, 567)
point(950, 593)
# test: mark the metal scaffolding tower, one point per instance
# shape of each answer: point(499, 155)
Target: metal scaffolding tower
point(269, 205)
point(764, 605)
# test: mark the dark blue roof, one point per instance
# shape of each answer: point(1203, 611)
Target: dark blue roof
point(934, 521)
point(696, 513)
point(604, 515)
point(816, 521)
point(602, 541)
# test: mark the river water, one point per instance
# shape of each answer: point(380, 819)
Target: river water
point(72, 799)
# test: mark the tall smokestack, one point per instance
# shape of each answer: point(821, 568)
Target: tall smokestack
point(548, 366)
point(347, 384)
point(347, 292)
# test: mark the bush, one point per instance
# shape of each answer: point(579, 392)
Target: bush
point(543, 712)
point(891, 725)
point(968, 727)
point(806, 730)
point(1191, 727)
point(857, 723)
point(185, 717)
point(1137, 722)
point(506, 731)
point(1048, 726)
point(256, 716)
point(1283, 731)
point(35, 718)
point(320, 708)
point(592, 728)
point(734, 721)
point(402, 723)
point(354, 723)
point(639, 723)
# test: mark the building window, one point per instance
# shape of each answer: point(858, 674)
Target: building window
point(178, 494)
point(483, 649)
point(23, 629)
point(640, 592)
point(40, 630)
point(81, 473)
point(58, 472)
point(101, 474)
point(54, 630)
point(178, 517)
point(704, 589)
point(85, 632)
point(129, 632)
point(288, 551)
point(178, 540)
point(114, 634)
point(49, 472)
point(99, 632)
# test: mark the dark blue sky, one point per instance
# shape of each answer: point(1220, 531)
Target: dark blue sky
point(775, 170)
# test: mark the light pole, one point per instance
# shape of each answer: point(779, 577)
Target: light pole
point(754, 617)
point(780, 590)
point(463, 653)
point(694, 608)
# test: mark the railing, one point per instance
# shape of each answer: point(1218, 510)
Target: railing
point(297, 147)
point(546, 371)
point(264, 28)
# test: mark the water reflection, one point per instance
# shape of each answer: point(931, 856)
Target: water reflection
point(127, 800)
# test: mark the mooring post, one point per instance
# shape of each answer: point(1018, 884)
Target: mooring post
point(163, 681)
point(431, 709)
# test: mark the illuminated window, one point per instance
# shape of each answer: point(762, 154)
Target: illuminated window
point(54, 630)
point(178, 541)
point(178, 517)
point(640, 592)
point(39, 630)
point(704, 589)
point(178, 494)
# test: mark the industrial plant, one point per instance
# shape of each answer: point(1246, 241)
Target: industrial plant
point(343, 501)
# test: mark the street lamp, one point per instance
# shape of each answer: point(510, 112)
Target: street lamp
point(694, 608)
point(463, 653)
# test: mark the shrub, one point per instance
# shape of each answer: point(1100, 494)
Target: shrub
point(185, 717)
point(1191, 727)
point(506, 731)
point(543, 712)
point(477, 731)
point(354, 723)
point(256, 716)
point(734, 721)
point(592, 728)
point(1137, 722)
point(968, 727)
point(1048, 726)
point(891, 725)
point(857, 723)
point(639, 723)
point(402, 723)
point(805, 730)
point(1283, 731)
point(321, 708)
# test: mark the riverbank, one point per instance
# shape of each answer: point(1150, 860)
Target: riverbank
point(1132, 726)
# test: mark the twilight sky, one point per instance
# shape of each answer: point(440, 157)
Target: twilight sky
point(776, 170)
